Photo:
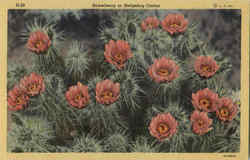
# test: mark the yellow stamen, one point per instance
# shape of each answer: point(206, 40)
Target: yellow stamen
point(32, 87)
point(174, 25)
point(224, 112)
point(200, 122)
point(119, 58)
point(205, 103)
point(163, 128)
point(38, 44)
point(163, 72)
point(206, 68)
point(78, 97)
point(107, 94)
point(19, 100)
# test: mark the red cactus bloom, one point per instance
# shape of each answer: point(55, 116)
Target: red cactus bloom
point(38, 42)
point(32, 84)
point(17, 99)
point(149, 23)
point(107, 92)
point(163, 70)
point(117, 53)
point(205, 66)
point(78, 96)
point(163, 126)
point(205, 100)
point(227, 111)
point(200, 122)
point(174, 23)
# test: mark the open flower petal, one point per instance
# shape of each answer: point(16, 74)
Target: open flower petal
point(32, 84)
point(201, 123)
point(163, 126)
point(149, 23)
point(117, 53)
point(78, 96)
point(163, 70)
point(17, 99)
point(227, 110)
point(38, 42)
point(205, 100)
point(205, 66)
point(174, 23)
point(107, 92)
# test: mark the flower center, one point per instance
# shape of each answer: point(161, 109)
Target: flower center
point(162, 128)
point(107, 95)
point(78, 97)
point(150, 26)
point(205, 103)
point(19, 100)
point(32, 87)
point(38, 44)
point(174, 25)
point(224, 112)
point(200, 123)
point(163, 72)
point(119, 58)
point(206, 68)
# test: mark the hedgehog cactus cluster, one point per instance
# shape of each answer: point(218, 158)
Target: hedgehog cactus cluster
point(154, 91)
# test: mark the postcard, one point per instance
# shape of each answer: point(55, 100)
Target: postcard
point(102, 79)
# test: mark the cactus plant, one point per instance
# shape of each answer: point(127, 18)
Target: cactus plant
point(152, 85)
